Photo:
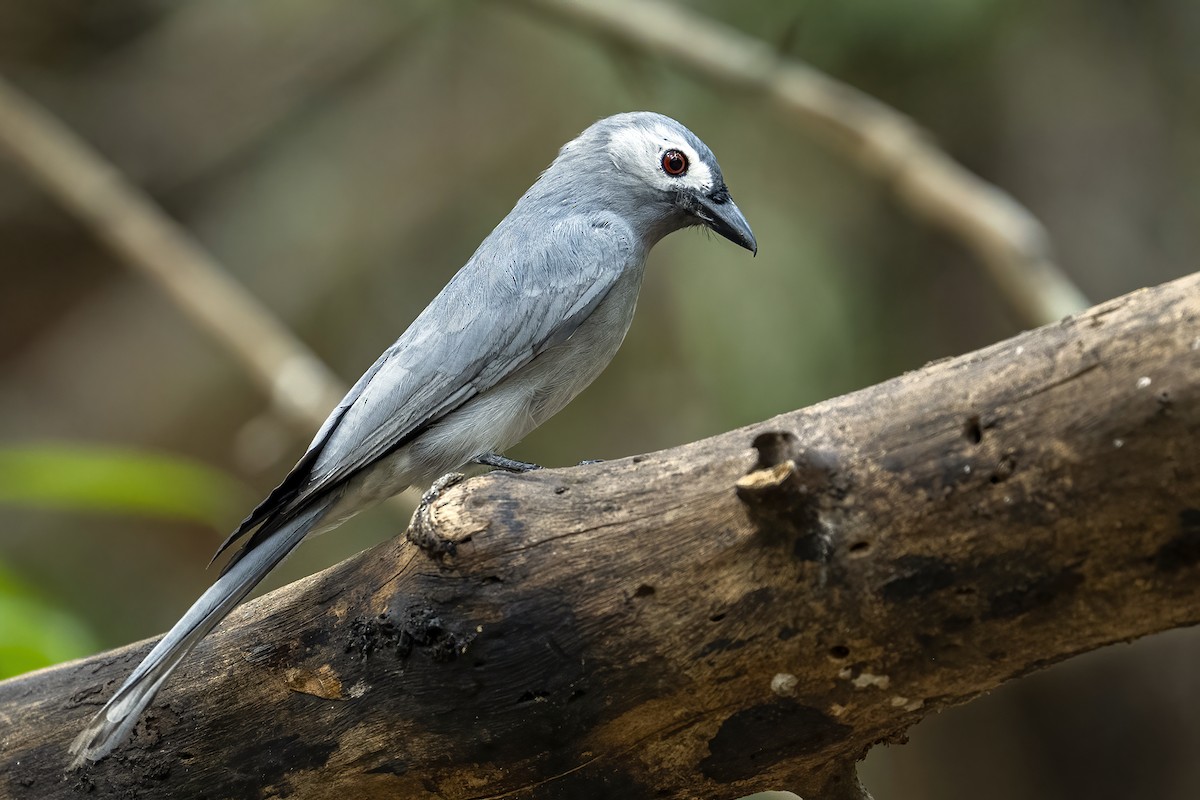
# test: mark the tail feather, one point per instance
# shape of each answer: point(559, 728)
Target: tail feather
point(116, 719)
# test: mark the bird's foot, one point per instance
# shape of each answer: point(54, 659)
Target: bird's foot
point(421, 531)
point(507, 464)
point(440, 485)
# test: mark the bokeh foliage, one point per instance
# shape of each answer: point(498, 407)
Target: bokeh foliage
point(343, 159)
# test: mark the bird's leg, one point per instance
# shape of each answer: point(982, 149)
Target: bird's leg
point(503, 462)
point(421, 530)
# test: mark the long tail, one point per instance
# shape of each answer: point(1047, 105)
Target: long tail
point(113, 723)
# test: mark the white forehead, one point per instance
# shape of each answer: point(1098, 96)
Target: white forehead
point(638, 149)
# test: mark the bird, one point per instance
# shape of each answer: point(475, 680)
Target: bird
point(531, 319)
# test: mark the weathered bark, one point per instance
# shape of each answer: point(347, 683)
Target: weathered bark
point(751, 611)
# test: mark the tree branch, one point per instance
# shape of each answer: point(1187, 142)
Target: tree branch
point(752, 611)
point(138, 232)
point(1005, 237)
point(166, 86)
point(122, 217)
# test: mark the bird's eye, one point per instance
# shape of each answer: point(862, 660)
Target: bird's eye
point(674, 163)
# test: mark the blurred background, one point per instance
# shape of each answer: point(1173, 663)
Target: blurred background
point(342, 160)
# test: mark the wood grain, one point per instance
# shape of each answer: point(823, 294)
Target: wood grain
point(747, 612)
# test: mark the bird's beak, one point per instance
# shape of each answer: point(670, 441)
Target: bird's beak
point(718, 211)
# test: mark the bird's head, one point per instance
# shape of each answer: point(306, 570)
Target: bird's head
point(659, 173)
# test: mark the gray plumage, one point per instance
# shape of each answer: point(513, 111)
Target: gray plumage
point(531, 319)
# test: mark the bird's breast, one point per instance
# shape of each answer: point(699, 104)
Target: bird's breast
point(499, 417)
point(561, 372)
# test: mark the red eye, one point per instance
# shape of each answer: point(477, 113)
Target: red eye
point(674, 163)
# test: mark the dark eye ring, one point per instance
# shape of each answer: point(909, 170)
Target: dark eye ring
point(674, 163)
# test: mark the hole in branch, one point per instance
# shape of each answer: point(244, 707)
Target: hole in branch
point(1004, 470)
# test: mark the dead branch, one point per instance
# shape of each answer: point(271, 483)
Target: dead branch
point(142, 236)
point(751, 611)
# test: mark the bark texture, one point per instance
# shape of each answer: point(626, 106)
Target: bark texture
point(751, 611)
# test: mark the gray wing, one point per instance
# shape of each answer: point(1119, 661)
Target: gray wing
point(519, 295)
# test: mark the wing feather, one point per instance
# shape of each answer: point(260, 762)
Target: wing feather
point(509, 303)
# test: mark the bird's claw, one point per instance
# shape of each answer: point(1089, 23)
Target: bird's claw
point(421, 530)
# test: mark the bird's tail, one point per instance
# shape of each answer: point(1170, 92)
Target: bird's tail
point(113, 723)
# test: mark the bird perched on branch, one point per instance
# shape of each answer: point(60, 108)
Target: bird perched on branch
point(531, 319)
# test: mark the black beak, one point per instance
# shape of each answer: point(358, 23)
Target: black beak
point(718, 211)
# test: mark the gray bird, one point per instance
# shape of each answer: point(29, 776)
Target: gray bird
point(531, 319)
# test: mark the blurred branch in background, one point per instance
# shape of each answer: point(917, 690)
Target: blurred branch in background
point(137, 230)
point(298, 383)
point(1007, 239)
point(194, 113)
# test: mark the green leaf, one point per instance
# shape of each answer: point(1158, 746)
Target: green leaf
point(34, 634)
point(62, 476)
